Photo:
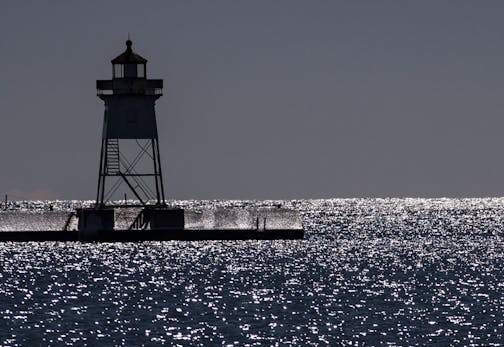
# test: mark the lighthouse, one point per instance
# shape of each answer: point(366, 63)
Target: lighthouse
point(130, 146)
point(130, 158)
point(129, 155)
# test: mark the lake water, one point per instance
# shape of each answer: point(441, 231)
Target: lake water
point(369, 272)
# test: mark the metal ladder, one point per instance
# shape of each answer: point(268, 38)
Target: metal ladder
point(113, 165)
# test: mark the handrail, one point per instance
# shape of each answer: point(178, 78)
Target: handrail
point(140, 222)
point(69, 220)
point(140, 91)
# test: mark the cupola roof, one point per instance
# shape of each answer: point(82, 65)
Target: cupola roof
point(128, 56)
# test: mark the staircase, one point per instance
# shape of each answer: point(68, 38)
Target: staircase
point(70, 220)
point(141, 222)
point(113, 165)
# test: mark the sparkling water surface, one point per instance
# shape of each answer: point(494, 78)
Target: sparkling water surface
point(369, 272)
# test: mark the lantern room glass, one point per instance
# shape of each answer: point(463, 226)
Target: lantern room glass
point(141, 70)
point(118, 71)
point(128, 71)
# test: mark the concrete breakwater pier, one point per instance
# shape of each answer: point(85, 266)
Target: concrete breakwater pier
point(129, 224)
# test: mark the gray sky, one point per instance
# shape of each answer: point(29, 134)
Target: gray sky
point(263, 99)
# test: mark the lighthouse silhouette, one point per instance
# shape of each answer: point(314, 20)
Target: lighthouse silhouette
point(130, 155)
point(130, 145)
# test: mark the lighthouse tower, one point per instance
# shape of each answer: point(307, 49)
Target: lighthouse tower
point(130, 147)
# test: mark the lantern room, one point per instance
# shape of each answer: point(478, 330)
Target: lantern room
point(129, 64)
